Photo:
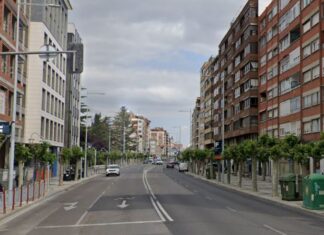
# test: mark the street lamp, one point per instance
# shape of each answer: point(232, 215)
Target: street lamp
point(14, 108)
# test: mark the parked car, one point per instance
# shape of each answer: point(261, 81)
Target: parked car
point(183, 166)
point(171, 164)
point(113, 170)
point(146, 161)
point(69, 174)
point(159, 162)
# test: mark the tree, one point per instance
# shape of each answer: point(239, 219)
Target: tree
point(76, 155)
point(22, 155)
point(290, 142)
point(251, 150)
point(264, 143)
point(121, 124)
point(64, 158)
point(243, 151)
point(115, 155)
point(276, 153)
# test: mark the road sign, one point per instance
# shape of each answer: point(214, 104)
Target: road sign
point(5, 128)
point(46, 52)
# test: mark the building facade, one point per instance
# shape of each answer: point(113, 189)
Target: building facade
point(291, 70)
point(236, 78)
point(72, 95)
point(45, 93)
point(159, 142)
point(206, 130)
point(195, 125)
point(8, 22)
point(141, 126)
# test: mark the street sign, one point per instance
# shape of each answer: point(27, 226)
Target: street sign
point(5, 128)
point(45, 52)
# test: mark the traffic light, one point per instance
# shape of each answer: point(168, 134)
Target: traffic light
point(75, 60)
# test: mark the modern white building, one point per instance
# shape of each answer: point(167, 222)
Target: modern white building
point(45, 92)
point(141, 126)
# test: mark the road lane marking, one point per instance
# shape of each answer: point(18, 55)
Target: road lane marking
point(156, 204)
point(157, 210)
point(98, 224)
point(163, 211)
point(92, 204)
point(274, 230)
point(231, 209)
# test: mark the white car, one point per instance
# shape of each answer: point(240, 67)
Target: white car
point(183, 166)
point(113, 170)
point(159, 162)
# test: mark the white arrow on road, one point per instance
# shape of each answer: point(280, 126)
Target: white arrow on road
point(70, 206)
point(123, 205)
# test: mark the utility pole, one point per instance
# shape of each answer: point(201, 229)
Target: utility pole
point(86, 150)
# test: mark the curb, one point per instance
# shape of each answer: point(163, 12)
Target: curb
point(280, 202)
point(21, 210)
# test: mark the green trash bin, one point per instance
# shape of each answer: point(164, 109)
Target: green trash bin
point(313, 192)
point(288, 187)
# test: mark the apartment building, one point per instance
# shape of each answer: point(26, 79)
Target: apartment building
point(206, 103)
point(236, 74)
point(141, 126)
point(195, 125)
point(159, 142)
point(291, 67)
point(72, 94)
point(8, 22)
point(46, 90)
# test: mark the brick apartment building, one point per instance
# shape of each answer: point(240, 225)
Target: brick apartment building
point(290, 74)
point(237, 71)
point(195, 125)
point(8, 22)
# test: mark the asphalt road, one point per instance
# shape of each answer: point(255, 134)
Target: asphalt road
point(155, 200)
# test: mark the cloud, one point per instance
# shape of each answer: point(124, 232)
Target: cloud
point(147, 54)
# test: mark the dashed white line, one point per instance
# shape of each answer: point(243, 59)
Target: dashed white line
point(86, 212)
point(231, 209)
point(274, 230)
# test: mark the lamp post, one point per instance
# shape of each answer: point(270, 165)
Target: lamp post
point(14, 108)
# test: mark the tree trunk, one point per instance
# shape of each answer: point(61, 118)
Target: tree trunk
point(76, 176)
point(211, 168)
point(264, 170)
point(229, 169)
point(61, 174)
point(235, 168)
point(21, 173)
point(219, 171)
point(254, 175)
point(240, 174)
point(275, 178)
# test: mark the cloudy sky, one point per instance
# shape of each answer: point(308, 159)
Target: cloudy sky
point(146, 54)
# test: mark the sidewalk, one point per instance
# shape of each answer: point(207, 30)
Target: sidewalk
point(52, 190)
point(264, 191)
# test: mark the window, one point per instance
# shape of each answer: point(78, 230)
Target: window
point(284, 43)
point(290, 106)
point(311, 48)
point(263, 60)
point(273, 113)
point(305, 3)
point(43, 99)
point(283, 4)
point(312, 21)
point(312, 126)
point(311, 100)
point(311, 74)
point(289, 83)
point(263, 79)
point(237, 76)
point(237, 92)
point(289, 16)
point(272, 72)
point(263, 116)
point(290, 128)
point(273, 93)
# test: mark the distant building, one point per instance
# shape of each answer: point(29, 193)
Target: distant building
point(195, 125)
point(159, 141)
point(72, 97)
point(141, 126)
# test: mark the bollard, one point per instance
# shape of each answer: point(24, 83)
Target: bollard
point(4, 201)
point(21, 195)
point(34, 191)
point(44, 188)
point(27, 192)
point(39, 188)
point(13, 198)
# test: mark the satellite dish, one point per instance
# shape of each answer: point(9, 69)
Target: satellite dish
point(46, 52)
